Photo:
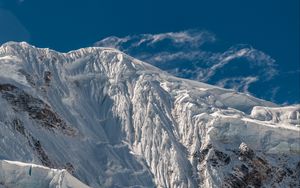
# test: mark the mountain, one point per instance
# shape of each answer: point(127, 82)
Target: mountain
point(113, 121)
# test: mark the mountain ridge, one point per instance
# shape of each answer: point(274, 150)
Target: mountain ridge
point(115, 121)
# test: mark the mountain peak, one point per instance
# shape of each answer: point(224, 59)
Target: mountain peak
point(113, 120)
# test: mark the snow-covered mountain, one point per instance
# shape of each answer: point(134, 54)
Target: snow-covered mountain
point(113, 121)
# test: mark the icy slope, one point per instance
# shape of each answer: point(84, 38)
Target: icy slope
point(114, 121)
point(25, 175)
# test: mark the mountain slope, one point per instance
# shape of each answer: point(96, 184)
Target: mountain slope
point(24, 175)
point(114, 121)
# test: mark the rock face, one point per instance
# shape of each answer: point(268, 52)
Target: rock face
point(114, 121)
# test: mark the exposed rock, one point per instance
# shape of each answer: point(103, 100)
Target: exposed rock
point(256, 172)
point(222, 157)
point(204, 152)
point(29, 78)
point(36, 109)
point(246, 152)
point(37, 147)
point(69, 167)
point(18, 126)
point(47, 77)
point(219, 158)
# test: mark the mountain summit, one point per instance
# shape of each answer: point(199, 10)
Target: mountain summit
point(113, 121)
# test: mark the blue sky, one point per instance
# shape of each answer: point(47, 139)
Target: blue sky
point(269, 26)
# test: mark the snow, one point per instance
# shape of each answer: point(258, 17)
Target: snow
point(285, 115)
point(129, 124)
point(25, 175)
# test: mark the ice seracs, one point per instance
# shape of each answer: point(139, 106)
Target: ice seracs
point(113, 121)
point(289, 115)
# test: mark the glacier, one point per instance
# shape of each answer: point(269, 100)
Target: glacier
point(110, 120)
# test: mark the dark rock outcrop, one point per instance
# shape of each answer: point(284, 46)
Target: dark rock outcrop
point(36, 108)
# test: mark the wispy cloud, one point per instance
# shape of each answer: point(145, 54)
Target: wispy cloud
point(187, 39)
point(262, 64)
point(238, 83)
point(293, 72)
point(184, 54)
point(274, 92)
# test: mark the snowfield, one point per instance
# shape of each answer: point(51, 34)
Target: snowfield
point(23, 175)
point(111, 120)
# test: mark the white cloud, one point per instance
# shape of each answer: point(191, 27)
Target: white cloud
point(238, 83)
point(261, 63)
point(112, 42)
point(274, 92)
point(186, 39)
point(189, 38)
point(183, 54)
point(164, 57)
